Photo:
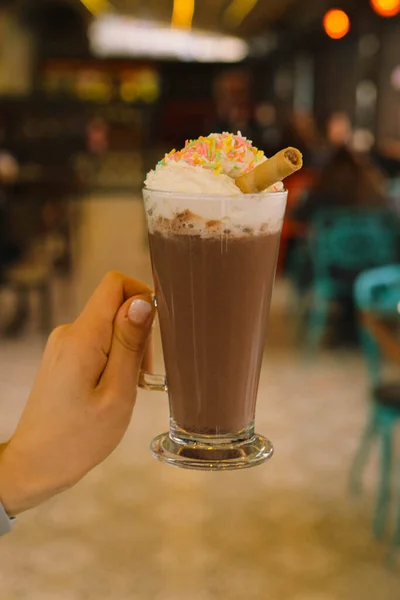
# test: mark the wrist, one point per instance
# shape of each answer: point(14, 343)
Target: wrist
point(14, 498)
point(22, 486)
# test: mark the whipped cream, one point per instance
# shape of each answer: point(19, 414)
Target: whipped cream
point(193, 191)
point(184, 178)
point(208, 165)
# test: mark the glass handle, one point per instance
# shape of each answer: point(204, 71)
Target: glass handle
point(154, 383)
point(149, 381)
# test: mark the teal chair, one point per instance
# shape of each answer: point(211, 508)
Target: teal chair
point(342, 244)
point(377, 292)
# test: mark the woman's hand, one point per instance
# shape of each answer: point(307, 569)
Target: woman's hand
point(83, 396)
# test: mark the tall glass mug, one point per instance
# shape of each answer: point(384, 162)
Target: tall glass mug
point(214, 261)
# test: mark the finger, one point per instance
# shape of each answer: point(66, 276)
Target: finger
point(132, 329)
point(108, 297)
point(95, 322)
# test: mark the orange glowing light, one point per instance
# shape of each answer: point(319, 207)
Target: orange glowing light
point(386, 8)
point(336, 23)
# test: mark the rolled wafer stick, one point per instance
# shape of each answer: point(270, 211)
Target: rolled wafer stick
point(283, 164)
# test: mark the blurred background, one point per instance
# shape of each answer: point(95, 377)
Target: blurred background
point(92, 93)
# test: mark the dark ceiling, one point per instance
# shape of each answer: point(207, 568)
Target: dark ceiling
point(263, 15)
point(212, 14)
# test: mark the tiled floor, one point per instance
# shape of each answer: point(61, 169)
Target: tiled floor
point(135, 529)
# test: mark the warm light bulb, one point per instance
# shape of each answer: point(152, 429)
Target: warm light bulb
point(237, 11)
point(96, 7)
point(114, 35)
point(336, 23)
point(182, 15)
point(386, 8)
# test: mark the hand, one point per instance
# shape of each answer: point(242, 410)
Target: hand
point(83, 396)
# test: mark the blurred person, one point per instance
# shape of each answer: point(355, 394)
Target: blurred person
point(82, 399)
point(306, 127)
point(300, 130)
point(346, 181)
point(97, 136)
point(338, 134)
point(270, 134)
point(232, 96)
point(338, 130)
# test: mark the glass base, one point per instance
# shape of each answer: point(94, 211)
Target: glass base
point(208, 456)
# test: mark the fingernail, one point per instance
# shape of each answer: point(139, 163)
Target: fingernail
point(139, 311)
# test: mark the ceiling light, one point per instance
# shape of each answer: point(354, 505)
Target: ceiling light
point(237, 11)
point(113, 35)
point(96, 7)
point(182, 15)
point(386, 8)
point(336, 23)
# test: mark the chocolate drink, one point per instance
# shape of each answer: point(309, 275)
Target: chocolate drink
point(213, 297)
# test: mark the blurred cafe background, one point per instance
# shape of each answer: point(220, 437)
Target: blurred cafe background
point(92, 94)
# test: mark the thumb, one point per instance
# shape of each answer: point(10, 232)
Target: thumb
point(132, 327)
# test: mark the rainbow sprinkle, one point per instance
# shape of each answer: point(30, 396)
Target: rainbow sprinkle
point(207, 152)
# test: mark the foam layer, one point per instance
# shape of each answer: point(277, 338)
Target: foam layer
point(210, 216)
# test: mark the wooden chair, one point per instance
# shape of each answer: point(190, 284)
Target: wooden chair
point(377, 294)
